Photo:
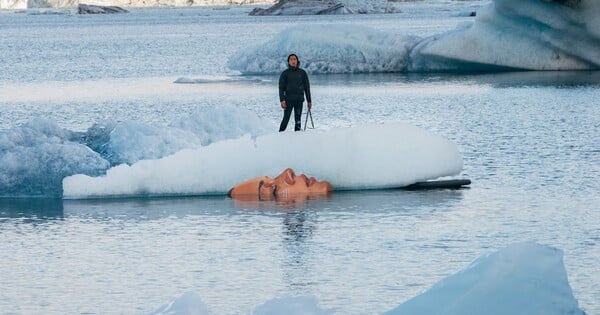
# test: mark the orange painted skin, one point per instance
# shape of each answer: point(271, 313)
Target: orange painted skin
point(285, 185)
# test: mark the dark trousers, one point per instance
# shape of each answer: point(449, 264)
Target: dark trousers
point(287, 112)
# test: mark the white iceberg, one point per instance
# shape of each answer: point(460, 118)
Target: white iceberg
point(522, 279)
point(369, 157)
point(328, 49)
point(506, 35)
point(518, 34)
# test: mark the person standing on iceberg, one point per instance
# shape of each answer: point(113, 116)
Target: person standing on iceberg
point(293, 84)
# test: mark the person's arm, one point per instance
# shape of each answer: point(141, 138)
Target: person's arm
point(282, 84)
point(307, 89)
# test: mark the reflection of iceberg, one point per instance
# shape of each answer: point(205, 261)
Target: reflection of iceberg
point(522, 279)
point(367, 157)
point(506, 35)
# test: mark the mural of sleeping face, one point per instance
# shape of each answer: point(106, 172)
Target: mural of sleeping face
point(285, 185)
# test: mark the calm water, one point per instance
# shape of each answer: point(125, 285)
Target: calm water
point(530, 143)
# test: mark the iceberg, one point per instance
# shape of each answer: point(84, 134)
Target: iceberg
point(328, 49)
point(506, 35)
point(520, 35)
point(368, 157)
point(99, 9)
point(188, 303)
point(319, 7)
point(521, 279)
point(131, 141)
point(33, 4)
point(36, 156)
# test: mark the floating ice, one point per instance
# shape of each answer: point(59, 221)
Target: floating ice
point(35, 157)
point(328, 49)
point(301, 305)
point(506, 35)
point(130, 141)
point(522, 279)
point(320, 7)
point(189, 303)
point(382, 156)
point(517, 34)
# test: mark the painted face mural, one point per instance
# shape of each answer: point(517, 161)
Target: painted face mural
point(285, 185)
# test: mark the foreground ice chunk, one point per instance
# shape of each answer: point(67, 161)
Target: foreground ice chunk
point(367, 157)
point(189, 303)
point(36, 156)
point(522, 279)
point(302, 305)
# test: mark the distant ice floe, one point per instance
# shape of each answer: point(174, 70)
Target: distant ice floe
point(506, 35)
point(216, 79)
point(328, 49)
point(33, 4)
point(521, 279)
point(328, 7)
point(367, 157)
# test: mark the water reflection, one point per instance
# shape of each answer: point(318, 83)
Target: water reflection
point(496, 79)
point(32, 208)
point(293, 210)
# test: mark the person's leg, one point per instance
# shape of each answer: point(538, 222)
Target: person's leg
point(287, 112)
point(298, 116)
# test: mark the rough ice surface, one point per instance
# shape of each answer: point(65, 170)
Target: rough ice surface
point(328, 7)
point(327, 49)
point(506, 35)
point(301, 305)
point(28, 4)
point(189, 303)
point(368, 157)
point(522, 279)
point(36, 156)
point(517, 34)
point(131, 141)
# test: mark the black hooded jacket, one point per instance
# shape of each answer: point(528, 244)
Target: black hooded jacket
point(293, 84)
